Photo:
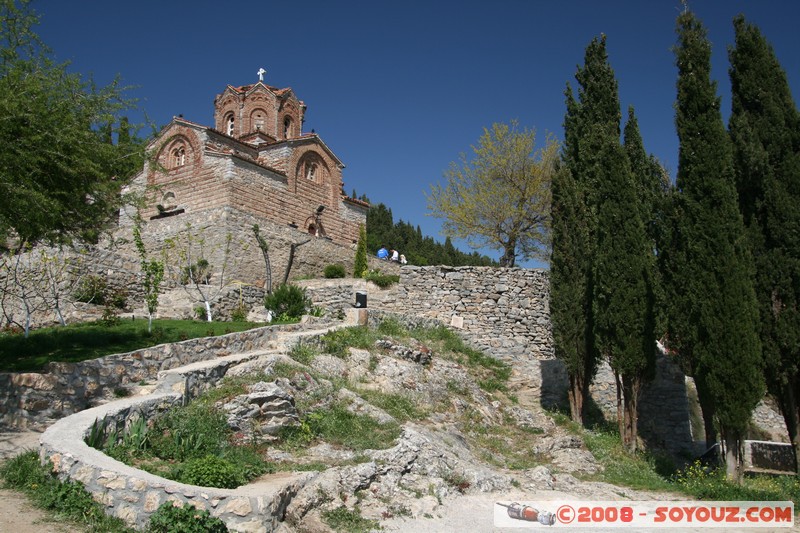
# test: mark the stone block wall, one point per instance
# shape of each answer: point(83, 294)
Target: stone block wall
point(134, 495)
point(506, 311)
point(246, 262)
point(34, 400)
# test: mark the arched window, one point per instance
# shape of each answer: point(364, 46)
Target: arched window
point(178, 157)
point(311, 167)
point(258, 120)
point(229, 124)
point(311, 171)
point(287, 127)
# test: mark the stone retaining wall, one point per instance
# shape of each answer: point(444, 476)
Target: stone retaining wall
point(505, 311)
point(34, 400)
point(132, 494)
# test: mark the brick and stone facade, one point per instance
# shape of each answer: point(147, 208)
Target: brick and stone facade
point(255, 160)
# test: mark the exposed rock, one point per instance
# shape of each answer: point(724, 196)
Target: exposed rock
point(575, 461)
point(420, 354)
point(262, 411)
point(357, 405)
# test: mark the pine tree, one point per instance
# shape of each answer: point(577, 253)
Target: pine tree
point(711, 272)
point(765, 130)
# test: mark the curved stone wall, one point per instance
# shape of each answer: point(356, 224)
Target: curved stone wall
point(132, 494)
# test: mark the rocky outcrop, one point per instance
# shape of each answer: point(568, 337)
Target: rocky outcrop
point(260, 413)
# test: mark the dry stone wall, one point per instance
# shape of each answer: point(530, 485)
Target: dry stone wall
point(132, 494)
point(504, 310)
point(35, 400)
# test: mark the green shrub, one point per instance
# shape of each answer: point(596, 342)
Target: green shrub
point(117, 298)
point(382, 280)
point(186, 519)
point(239, 314)
point(189, 432)
point(91, 290)
point(334, 271)
point(360, 265)
point(288, 301)
point(209, 471)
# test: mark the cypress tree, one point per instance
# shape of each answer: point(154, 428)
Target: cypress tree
point(714, 278)
point(602, 260)
point(360, 264)
point(589, 121)
point(765, 130)
point(570, 302)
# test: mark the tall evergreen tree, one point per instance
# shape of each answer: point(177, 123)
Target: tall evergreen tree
point(711, 277)
point(590, 120)
point(765, 130)
point(601, 302)
point(570, 301)
point(622, 299)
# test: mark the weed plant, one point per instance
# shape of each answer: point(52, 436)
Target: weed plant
point(493, 373)
point(338, 426)
point(402, 407)
point(644, 470)
point(66, 499)
point(337, 342)
point(344, 520)
point(171, 519)
point(303, 353)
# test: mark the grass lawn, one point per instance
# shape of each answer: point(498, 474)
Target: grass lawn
point(89, 340)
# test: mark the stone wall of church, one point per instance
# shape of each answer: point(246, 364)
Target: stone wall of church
point(214, 175)
point(209, 231)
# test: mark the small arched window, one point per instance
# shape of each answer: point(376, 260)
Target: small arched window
point(229, 124)
point(287, 127)
point(311, 171)
point(178, 157)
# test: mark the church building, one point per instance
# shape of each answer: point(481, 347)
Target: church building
point(255, 159)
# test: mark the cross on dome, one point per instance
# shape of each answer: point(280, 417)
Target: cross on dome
point(261, 73)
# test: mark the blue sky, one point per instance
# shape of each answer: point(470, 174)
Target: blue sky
point(399, 89)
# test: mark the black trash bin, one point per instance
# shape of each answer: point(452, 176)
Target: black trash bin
point(361, 299)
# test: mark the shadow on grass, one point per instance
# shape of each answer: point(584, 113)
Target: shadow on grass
point(81, 342)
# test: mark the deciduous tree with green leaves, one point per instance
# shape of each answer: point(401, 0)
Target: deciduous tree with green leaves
point(59, 177)
point(152, 275)
point(500, 198)
point(711, 270)
point(765, 129)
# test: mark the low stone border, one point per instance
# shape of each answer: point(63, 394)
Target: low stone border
point(132, 494)
point(34, 400)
